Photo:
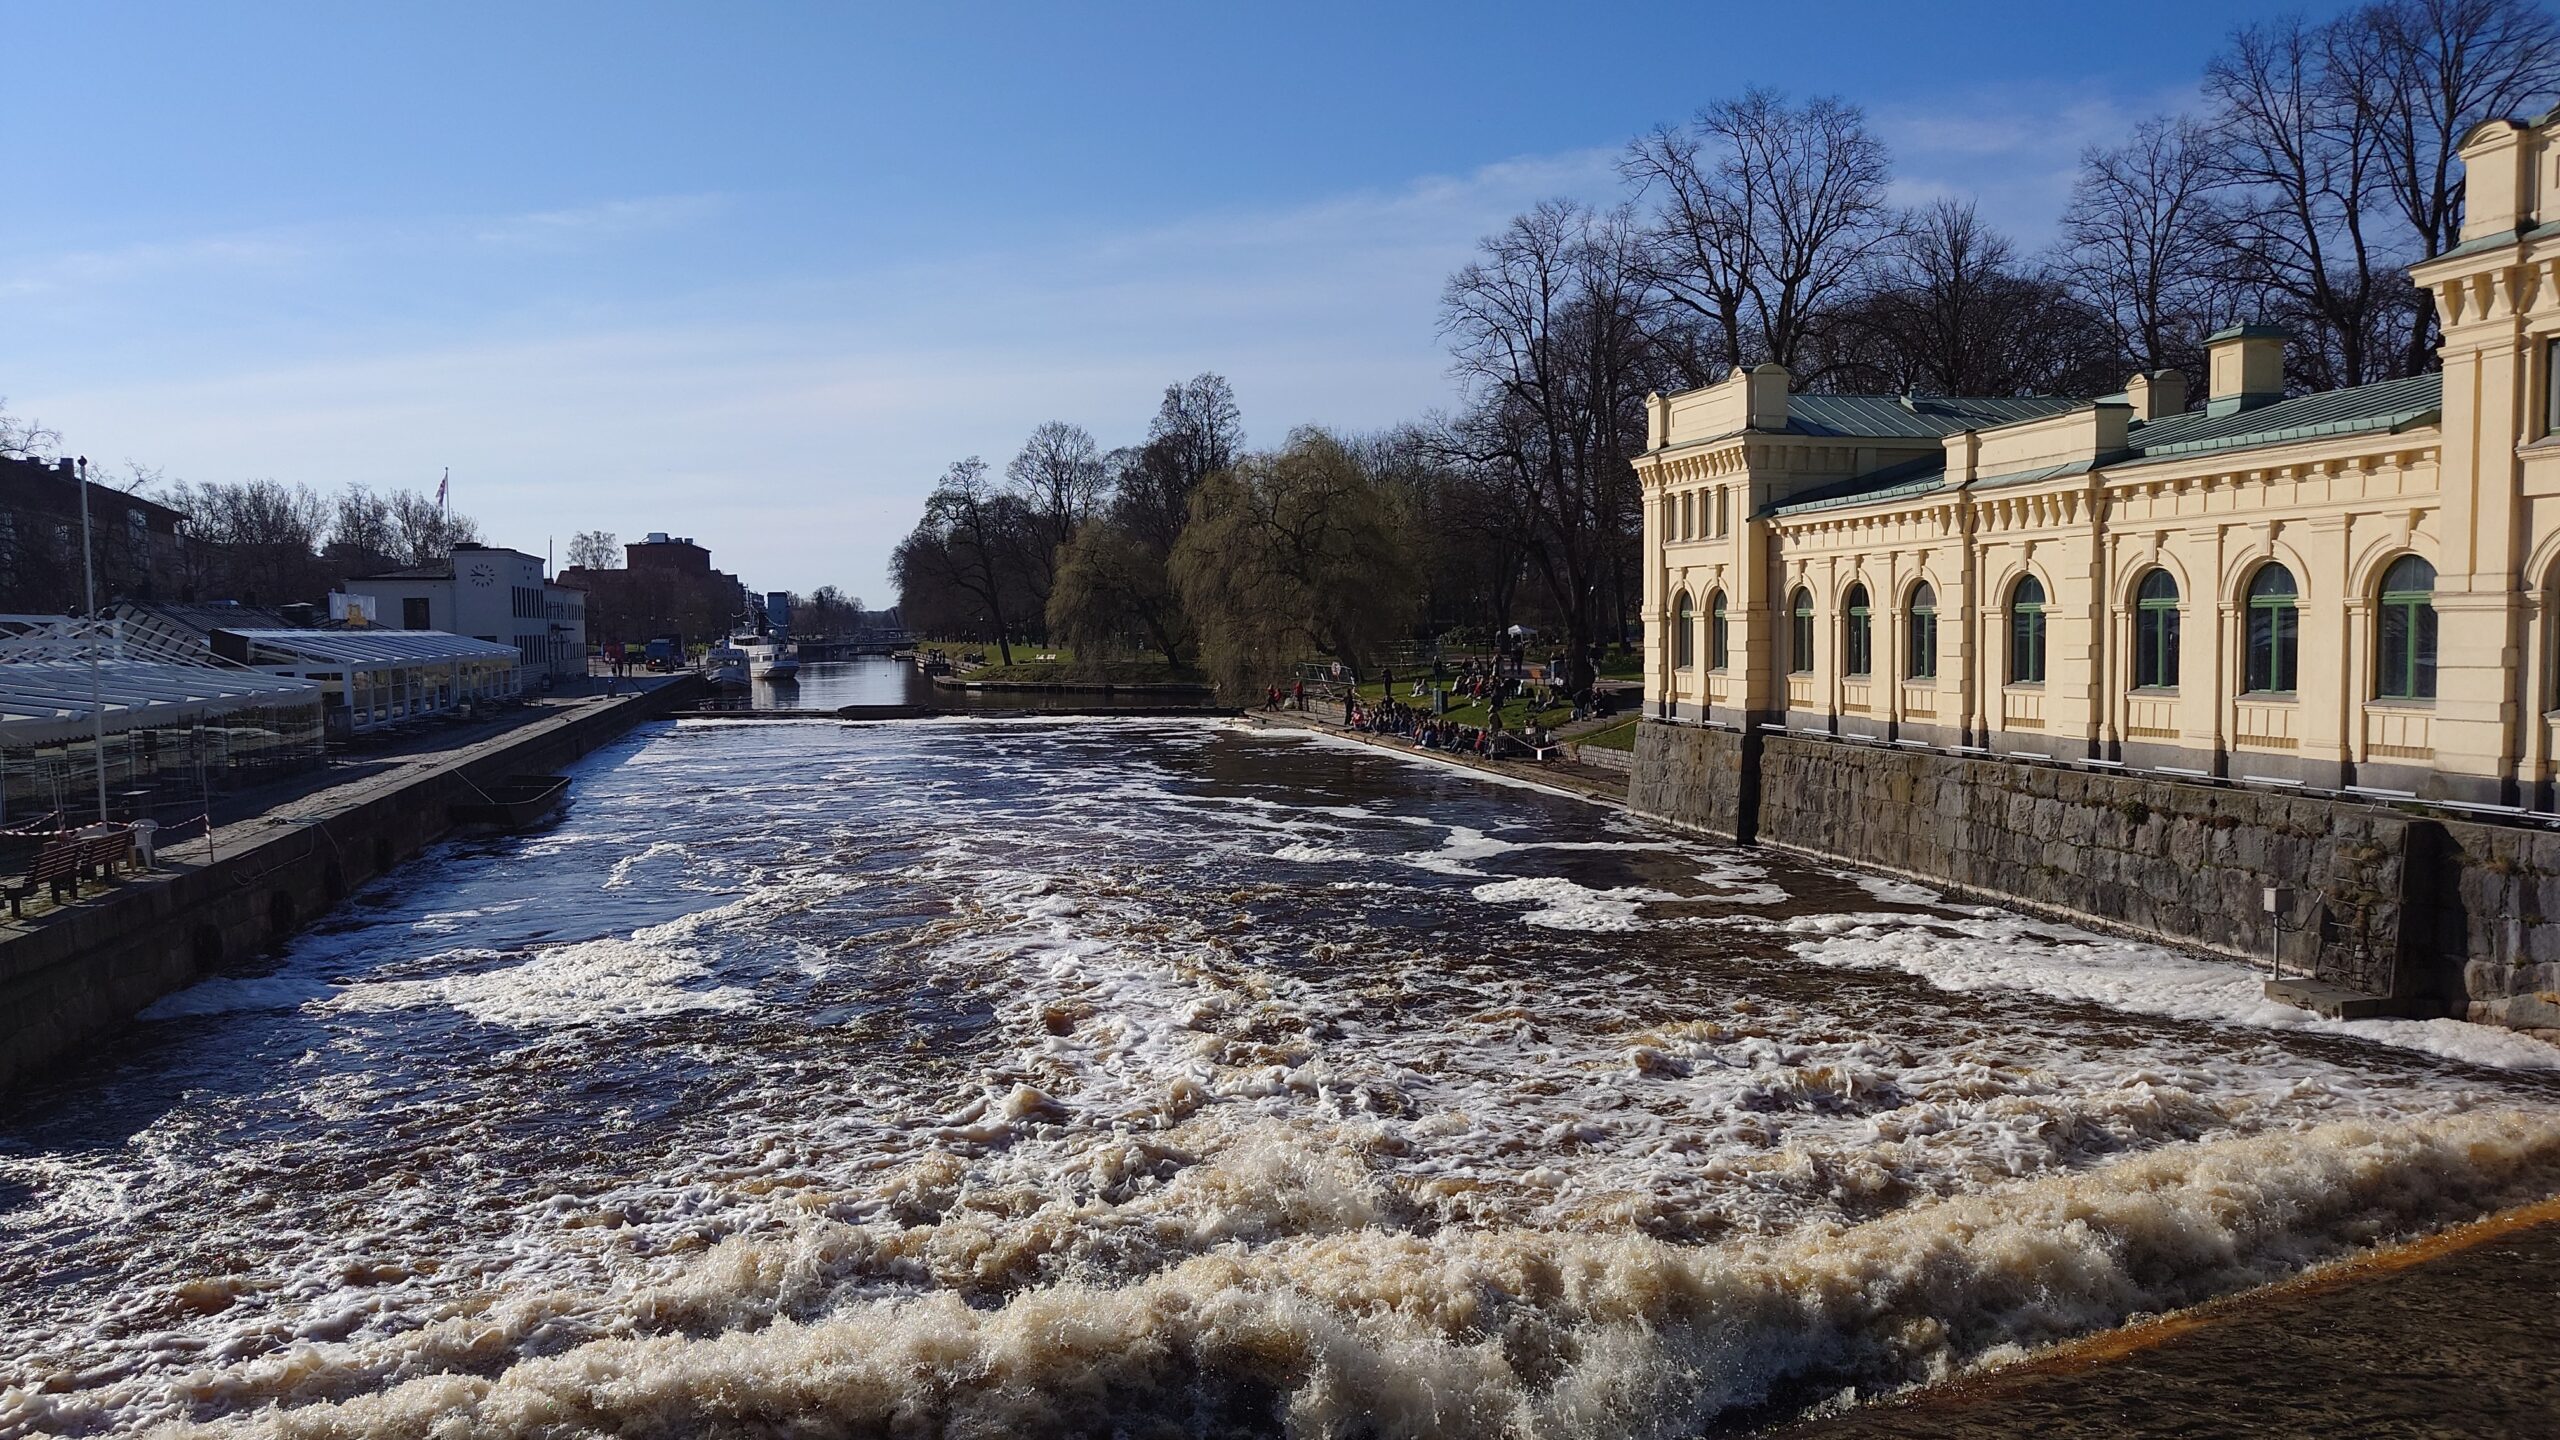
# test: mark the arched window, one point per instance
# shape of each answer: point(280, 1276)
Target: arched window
point(1684, 634)
point(2026, 632)
point(2405, 659)
point(1800, 633)
point(1716, 651)
point(2275, 632)
point(1922, 661)
point(1860, 637)
point(2155, 632)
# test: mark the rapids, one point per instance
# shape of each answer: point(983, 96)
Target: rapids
point(1171, 1078)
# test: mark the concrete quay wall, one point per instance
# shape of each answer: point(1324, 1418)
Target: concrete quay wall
point(2431, 915)
point(89, 968)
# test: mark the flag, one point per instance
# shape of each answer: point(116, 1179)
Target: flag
point(441, 487)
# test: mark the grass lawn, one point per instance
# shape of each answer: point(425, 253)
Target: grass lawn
point(1516, 714)
point(1059, 665)
point(1064, 671)
point(1616, 737)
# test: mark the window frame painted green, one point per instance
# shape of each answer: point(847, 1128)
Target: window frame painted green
point(2026, 632)
point(2415, 610)
point(1719, 638)
point(2281, 643)
point(1859, 650)
point(2155, 631)
point(1684, 637)
point(1921, 639)
point(1800, 631)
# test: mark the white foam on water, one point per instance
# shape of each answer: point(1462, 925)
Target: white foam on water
point(1564, 905)
point(1357, 1324)
point(1897, 892)
point(1993, 950)
point(624, 868)
point(591, 982)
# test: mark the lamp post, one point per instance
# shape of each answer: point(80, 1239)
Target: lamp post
point(97, 686)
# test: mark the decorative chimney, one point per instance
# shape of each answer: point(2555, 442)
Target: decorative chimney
point(2244, 366)
point(2157, 394)
point(1766, 396)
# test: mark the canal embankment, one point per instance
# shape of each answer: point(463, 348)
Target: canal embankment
point(2359, 905)
point(71, 973)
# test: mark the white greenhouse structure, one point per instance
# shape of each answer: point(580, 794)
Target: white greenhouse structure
point(372, 678)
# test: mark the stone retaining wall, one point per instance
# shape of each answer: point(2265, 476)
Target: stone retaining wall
point(2437, 916)
point(87, 969)
point(1699, 778)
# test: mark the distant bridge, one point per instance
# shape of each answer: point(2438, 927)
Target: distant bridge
point(859, 643)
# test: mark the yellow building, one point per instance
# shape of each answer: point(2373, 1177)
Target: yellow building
point(2352, 589)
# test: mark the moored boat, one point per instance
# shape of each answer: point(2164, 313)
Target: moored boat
point(773, 659)
point(726, 668)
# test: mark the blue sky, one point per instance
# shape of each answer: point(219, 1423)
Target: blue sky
point(756, 272)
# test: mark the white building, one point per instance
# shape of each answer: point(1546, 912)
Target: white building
point(488, 593)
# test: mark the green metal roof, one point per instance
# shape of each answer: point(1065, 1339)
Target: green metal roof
point(1912, 477)
point(2387, 405)
point(1921, 417)
point(2357, 409)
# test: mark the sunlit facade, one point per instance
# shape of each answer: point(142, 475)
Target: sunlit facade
point(2351, 590)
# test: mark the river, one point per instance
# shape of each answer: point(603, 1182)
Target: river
point(1016, 1077)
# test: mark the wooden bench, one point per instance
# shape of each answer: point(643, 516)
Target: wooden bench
point(57, 864)
point(103, 848)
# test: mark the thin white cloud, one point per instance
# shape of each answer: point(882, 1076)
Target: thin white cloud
point(2014, 149)
point(585, 224)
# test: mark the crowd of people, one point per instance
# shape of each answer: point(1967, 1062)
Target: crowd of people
point(1491, 683)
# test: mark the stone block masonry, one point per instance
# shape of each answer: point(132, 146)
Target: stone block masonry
point(2434, 916)
point(82, 972)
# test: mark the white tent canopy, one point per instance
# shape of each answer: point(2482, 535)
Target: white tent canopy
point(365, 647)
point(47, 702)
point(383, 677)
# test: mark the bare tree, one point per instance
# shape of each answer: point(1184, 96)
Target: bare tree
point(1060, 481)
point(967, 547)
point(363, 536)
point(1763, 218)
point(2142, 243)
point(2425, 73)
point(1548, 326)
point(262, 537)
point(595, 550)
point(1953, 311)
point(427, 531)
point(1197, 432)
point(25, 439)
point(2310, 232)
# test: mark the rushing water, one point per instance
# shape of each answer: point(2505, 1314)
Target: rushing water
point(1022, 1077)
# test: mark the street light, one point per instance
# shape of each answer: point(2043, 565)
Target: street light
point(97, 686)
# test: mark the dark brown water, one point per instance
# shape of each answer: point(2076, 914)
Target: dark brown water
point(1023, 1077)
point(877, 680)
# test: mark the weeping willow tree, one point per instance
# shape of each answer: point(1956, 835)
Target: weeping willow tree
point(1288, 557)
